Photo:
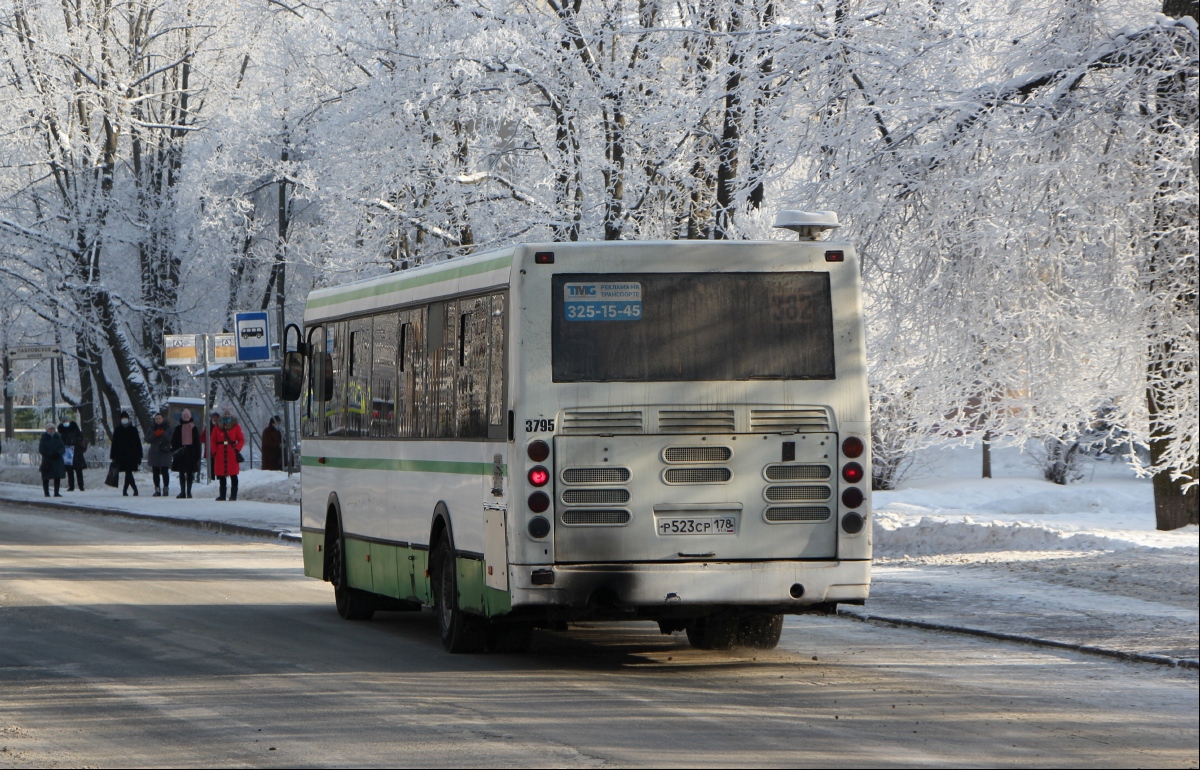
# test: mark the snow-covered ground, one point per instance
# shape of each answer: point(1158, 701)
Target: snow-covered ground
point(1081, 563)
point(1015, 554)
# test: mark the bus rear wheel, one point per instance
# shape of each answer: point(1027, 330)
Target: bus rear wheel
point(760, 631)
point(460, 631)
point(713, 632)
point(351, 603)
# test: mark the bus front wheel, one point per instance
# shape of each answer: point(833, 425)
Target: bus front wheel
point(460, 631)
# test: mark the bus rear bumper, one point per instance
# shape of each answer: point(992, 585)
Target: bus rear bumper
point(676, 586)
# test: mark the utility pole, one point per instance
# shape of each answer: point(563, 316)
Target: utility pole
point(281, 268)
point(8, 399)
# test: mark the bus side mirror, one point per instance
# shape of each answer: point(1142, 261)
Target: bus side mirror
point(291, 376)
point(328, 390)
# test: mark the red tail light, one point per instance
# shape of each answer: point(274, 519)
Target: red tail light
point(853, 472)
point(853, 447)
point(538, 476)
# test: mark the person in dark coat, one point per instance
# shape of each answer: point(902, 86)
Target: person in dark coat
point(186, 448)
point(158, 454)
point(72, 437)
point(225, 443)
point(51, 448)
point(126, 452)
point(272, 447)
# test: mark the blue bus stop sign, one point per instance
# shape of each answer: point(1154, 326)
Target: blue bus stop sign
point(252, 336)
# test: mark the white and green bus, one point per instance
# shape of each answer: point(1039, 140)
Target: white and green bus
point(665, 431)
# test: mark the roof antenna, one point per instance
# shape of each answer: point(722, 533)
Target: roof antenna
point(809, 225)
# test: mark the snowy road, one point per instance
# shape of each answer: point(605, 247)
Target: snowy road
point(128, 643)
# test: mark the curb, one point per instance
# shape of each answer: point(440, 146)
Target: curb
point(1087, 649)
point(202, 524)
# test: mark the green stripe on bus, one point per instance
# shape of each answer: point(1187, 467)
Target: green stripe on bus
point(411, 466)
point(391, 287)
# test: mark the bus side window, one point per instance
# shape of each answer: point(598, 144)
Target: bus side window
point(412, 356)
point(472, 376)
point(496, 363)
point(383, 376)
point(335, 379)
point(358, 399)
point(310, 422)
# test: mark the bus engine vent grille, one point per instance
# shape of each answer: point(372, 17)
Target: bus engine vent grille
point(596, 475)
point(796, 494)
point(798, 472)
point(697, 454)
point(797, 513)
point(595, 496)
point(696, 421)
point(581, 421)
point(697, 475)
point(595, 518)
point(801, 420)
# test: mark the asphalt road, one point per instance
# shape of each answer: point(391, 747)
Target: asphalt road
point(131, 644)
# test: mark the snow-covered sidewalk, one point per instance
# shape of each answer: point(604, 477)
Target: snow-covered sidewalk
point(248, 514)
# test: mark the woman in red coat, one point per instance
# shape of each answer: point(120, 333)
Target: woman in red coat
point(225, 442)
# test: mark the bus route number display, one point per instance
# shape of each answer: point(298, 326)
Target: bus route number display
point(603, 301)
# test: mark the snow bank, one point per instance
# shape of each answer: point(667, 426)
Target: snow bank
point(945, 511)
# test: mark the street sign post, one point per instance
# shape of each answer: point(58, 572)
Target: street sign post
point(33, 352)
point(28, 353)
point(252, 336)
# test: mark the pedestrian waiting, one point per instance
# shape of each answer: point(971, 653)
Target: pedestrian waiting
point(126, 452)
point(272, 447)
point(158, 455)
point(226, 444)
point(185, 451)
point(74, 460)
point(51, 448)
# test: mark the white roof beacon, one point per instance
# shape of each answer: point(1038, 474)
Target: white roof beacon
point(809, 225)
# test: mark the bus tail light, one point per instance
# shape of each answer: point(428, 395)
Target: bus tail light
point(852, 523)
point(852, 497)
point(538, 451)
point(539, 502)
point(544, 257)
point(853, 473)
point(853, 447)
point(538, 476)
point(539, 527)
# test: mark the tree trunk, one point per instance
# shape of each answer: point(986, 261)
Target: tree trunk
point(1173, 508)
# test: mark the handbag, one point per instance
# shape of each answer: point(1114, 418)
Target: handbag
point(69, 456)
point(114, 476)
point(240, 459)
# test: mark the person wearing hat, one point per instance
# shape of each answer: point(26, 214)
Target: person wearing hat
point(73, 438)
point(158, 456)
point(51, 448)
point(126, 452)
point(272, 447)
point(185, 451)
point(225, 445)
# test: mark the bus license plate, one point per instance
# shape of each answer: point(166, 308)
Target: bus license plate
point(697, 525)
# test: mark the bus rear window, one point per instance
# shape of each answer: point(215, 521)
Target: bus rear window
point(675, 327)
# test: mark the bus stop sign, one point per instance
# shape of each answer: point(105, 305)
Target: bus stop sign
point(252, 336)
